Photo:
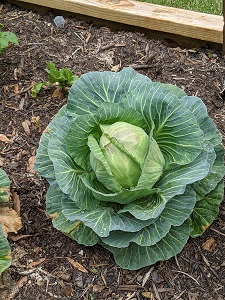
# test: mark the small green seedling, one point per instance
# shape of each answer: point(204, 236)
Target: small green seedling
point(60, 77)
point(6, 38)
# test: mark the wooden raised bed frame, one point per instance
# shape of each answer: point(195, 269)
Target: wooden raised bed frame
point(190, 24)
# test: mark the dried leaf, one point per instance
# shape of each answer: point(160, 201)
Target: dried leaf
point(1, 161)
point(9, 105)
point(207, 245)
point(67, 291)
point(37, 250)
point(16, 202)
point(22, 281)
point(57, 93)
point(146, 277)
point(16, 238)
point(21, 105)
point(76, 265)
point(5, 89)
point(36, 263)
point(115, 68)
point(17, 254)
point(193, 296)
point(4, 139)
point(10, 221)
point(182, 58)
point(46, 130)
point(35, 121)
point(88, 38)
point(15, 73)
point(16, 88)
point(97, 288)
point(148, 295)
point(26, 126)
point(30, 165)
point(223, 264)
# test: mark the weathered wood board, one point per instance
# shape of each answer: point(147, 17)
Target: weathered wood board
point(176, 21)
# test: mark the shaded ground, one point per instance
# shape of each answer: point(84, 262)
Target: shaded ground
point(40, 268)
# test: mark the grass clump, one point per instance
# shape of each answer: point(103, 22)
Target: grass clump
point(205, 6)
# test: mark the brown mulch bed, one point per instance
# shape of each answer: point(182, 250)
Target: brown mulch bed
point(40, 268)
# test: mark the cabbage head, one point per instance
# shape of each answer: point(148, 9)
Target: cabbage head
point(133, 165)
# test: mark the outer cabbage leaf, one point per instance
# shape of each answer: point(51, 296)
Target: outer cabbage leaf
point(215, 175)
point(176, 211)
point(54, 208)
point(5, 258)
point(76, 229)
point(199, 110)
point(42, 162)
point(135, 256)
point(67, 172)
point(4, 186)
point(173, 182)
point(147, 236)
point(174, 90)
point(95, 88)
point(9, 221)
point(84, 235)
point(103, 219)
point(206, 210)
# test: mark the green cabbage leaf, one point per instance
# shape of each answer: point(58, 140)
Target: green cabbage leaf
point(5, 258)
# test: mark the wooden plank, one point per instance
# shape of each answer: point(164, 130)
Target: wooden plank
point(186, 23)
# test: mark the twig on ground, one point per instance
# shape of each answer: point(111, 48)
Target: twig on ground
point(25, 90)
point(187, 275)
point(17, 17)
point(131, 287)
point(217, 231)
point(156, 292)
point(147, 275)
point(110, 46)
point(178, 297)
point(134, 278)
point(140, 67)
point(208, 266)
point(177, 262)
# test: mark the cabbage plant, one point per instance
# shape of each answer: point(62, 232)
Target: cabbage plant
point(6, 38)
point(5, 258)
point(9, 221)
point(133, 165)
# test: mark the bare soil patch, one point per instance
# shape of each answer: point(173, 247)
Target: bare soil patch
point(40, 268)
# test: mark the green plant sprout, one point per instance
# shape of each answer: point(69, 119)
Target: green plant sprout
point(62, 77)
point(91, 297)
point(6, 37)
